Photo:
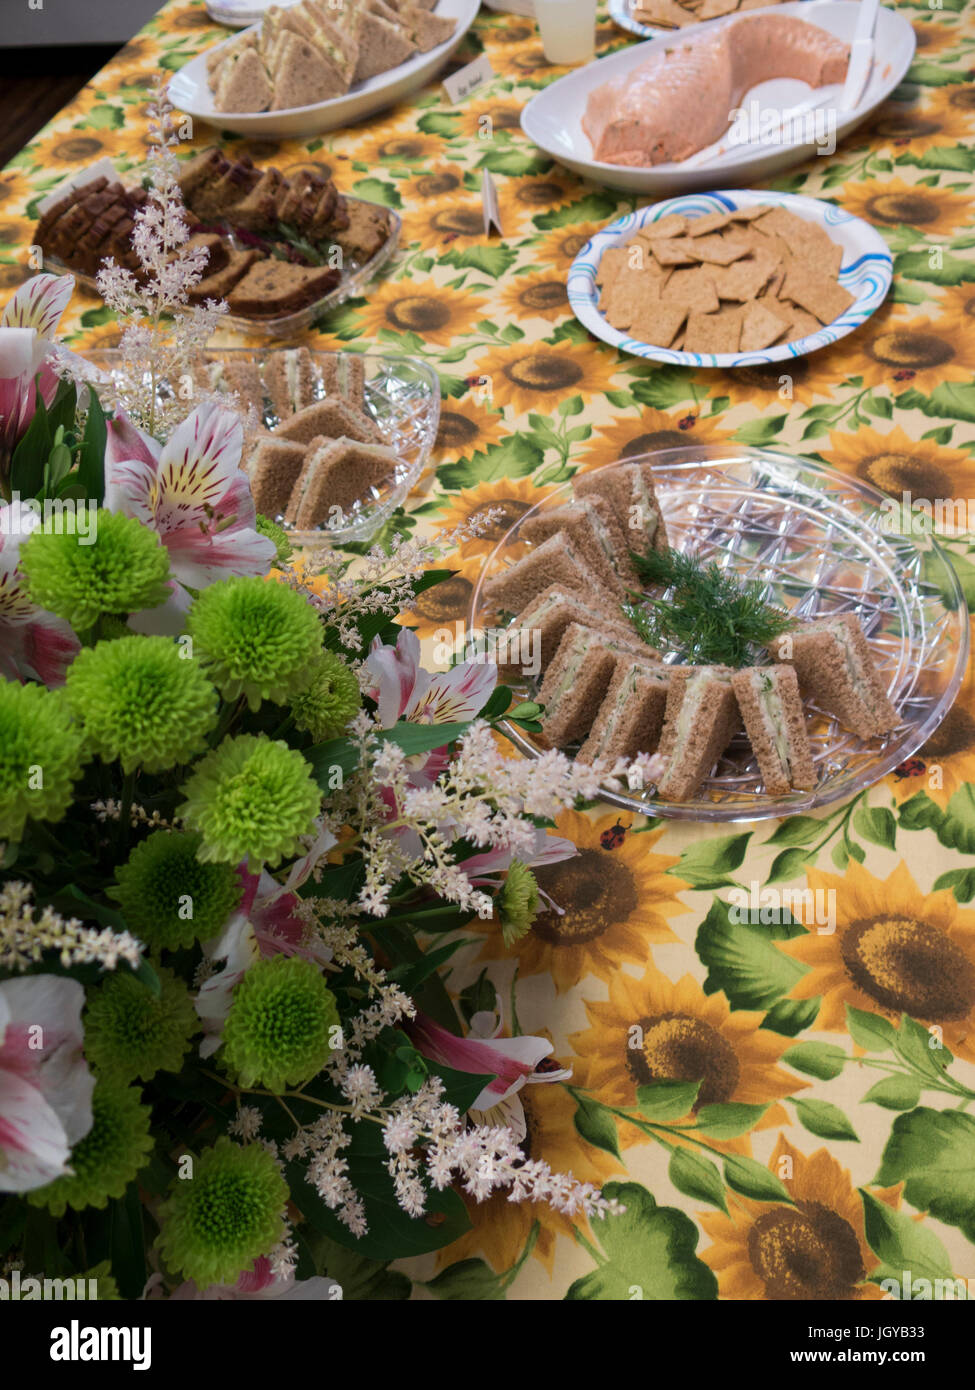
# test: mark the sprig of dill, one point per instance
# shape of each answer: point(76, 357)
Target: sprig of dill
point(707, 616)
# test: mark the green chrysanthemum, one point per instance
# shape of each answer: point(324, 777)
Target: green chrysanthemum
point(123, 571)
point(217, 1222)
point(331, 698)
point(251, 798)
point(169, 898)
point(109, 1156)
point(40, 756)
point(278, 1032)
point(517, 903)
point(266, 527)
point(141, 702)
point(131, 1033)
point(255, 638)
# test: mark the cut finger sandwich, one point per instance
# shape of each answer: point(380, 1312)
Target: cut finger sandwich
point(700, 721)
point(833, 661)
point(771, 708)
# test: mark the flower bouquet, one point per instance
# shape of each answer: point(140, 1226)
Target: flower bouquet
point(235, 812)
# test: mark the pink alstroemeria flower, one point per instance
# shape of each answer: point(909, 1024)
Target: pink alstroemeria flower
point(490, 867)
point(26, 325)
point(34, 644)
point(193, 492)
point(45, 1084)
point(404, 690)
point(259, 1282)
point(513, 1062)
point(266, 924)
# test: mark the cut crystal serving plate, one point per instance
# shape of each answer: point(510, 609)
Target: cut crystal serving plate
point(402, 394)
point(821, 543)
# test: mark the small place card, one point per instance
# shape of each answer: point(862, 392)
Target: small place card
point(467, 79)
point(489, 201)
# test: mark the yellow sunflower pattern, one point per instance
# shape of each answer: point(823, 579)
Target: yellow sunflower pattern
point(796, 1095)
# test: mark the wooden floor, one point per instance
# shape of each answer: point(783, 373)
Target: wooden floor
point(34, 85)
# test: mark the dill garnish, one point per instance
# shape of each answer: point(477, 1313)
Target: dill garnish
point(707, 616)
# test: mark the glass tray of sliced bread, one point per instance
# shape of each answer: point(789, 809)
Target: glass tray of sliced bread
point(610, 605)
point(342, 437)
point(282, 248)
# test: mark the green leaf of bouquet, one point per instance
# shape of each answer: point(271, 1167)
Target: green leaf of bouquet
point(334, 756)
point(870, 1031)
point(666, 1100)
point(791, 1016)
point(650, 1253)
point(468, 1280)
point(697, 1177)
point(796, 830)
point(361, 1280)
point(708, 863)
point(960, 881)
point(31, 454)
point(920, 813)
point(896, 1092)
point(392, 1234)
point(91, 458)
point(824, 1119)
point(423, 738)
point(478, 997)
point(824, 1060)
point(728, 1119)
point(877, 824)
point(742, 960)
point(748, 1178)
point(595, 1123)
point(931, 1152)
point(957, 829)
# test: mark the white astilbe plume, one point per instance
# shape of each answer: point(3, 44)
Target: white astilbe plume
point(26, 932)
point(164, 335)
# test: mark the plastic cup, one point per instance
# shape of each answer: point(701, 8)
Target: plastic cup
point(568, 30)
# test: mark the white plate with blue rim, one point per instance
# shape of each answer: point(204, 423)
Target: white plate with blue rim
point(866, 271)
point(623, 13)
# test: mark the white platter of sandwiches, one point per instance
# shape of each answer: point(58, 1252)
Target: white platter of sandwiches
point(729, 97)
point(871, 654)
point(314, 66)
point(342, 437)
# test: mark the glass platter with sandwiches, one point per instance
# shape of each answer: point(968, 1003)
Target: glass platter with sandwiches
point(660, 117)
point(746, 626)
point(335, 441)
point(730, 279)
point(312, 67)
point(282, 248)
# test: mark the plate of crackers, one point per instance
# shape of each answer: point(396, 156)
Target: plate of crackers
point(650, 18)
point(730, 279)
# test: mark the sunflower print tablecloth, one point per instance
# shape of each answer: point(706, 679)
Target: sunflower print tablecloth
point(784, 1112)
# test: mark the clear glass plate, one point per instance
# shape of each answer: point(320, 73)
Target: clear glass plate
point(821, 544)
point(402, 394)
